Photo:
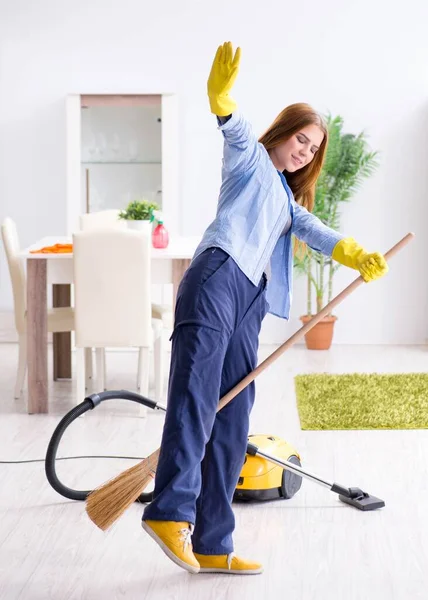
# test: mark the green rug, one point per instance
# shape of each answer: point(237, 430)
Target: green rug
point(359, 401)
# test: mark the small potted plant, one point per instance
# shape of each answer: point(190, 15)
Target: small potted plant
point(347, 163)
point(138, 214)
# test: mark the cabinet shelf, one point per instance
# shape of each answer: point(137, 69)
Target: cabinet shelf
point(120, 162)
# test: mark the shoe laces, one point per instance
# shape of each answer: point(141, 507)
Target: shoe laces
point(186, 535)
point(230, 557)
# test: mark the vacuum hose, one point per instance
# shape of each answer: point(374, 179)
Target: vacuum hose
point(353, 496)
point(89, 403)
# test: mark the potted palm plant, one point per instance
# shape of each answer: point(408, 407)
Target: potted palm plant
point(347, 163)
point(138, 214)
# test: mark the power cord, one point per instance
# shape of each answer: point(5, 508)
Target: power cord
point(20, 462)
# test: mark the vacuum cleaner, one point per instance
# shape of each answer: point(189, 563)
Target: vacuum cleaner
point(271, 470)
point(272, 467)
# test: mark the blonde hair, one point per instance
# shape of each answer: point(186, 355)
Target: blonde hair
point(288, 122)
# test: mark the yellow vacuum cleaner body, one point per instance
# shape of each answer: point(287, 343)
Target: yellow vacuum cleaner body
point(263, 480)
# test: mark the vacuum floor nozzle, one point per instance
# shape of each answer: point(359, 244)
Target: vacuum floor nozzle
point(364, 501)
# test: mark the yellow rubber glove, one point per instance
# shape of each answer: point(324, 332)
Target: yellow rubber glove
point(223, 73)
point(371, 266)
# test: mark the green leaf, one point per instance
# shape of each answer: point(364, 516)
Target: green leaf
point(348, 163)
point(138, 210)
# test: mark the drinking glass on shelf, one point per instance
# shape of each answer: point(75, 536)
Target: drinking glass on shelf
point(115, 146)
point(133, 149)
point(89, 151)
point(102, 147)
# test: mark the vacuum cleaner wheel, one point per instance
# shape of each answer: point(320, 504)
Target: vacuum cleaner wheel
point(290, 483)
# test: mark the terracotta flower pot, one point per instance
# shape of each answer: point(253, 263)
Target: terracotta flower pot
point(320, 336)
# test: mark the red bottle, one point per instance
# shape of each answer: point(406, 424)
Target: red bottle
point(160, 237)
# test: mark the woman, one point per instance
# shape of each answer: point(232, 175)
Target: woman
point(266, 194)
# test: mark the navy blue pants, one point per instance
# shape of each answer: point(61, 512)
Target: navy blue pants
point(214, 345)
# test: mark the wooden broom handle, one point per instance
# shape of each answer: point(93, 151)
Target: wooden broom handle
point(301, 332)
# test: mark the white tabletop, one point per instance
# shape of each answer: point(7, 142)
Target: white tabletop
point(178, 248)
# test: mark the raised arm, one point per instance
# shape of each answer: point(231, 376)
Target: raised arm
point(241, 149)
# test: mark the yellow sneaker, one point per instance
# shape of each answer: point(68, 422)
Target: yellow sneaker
point(175, 540)
point(227, 563)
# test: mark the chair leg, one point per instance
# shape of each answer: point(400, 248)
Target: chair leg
point(100, 358)
point(80, 370)
point(22, 365)
point(105, 369)
point(139, 371)
point(158, 360)
point(88, 367)
point(143, 374)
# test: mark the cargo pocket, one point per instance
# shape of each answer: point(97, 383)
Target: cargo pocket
point(215, 262)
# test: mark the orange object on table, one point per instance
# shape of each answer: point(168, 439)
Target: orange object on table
point(55, 249)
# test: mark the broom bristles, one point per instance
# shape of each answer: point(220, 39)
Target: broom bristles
point(109, 501)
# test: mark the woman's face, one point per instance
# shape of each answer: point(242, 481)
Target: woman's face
point(299, 150)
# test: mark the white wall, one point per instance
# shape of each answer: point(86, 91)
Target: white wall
point(366, 61)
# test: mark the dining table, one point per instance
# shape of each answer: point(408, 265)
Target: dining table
point(56, 269)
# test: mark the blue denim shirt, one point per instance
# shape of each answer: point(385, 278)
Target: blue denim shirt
point(254, 205)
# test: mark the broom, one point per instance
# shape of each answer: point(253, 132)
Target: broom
point(108, 502)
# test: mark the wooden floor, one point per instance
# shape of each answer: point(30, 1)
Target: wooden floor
point(313, 547)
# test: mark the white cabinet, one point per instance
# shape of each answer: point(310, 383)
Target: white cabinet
point(122, 148)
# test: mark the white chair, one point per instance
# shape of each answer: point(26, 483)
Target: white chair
point(108, 219)
point(59, 319)
point(113, 301)
point(103, 219)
